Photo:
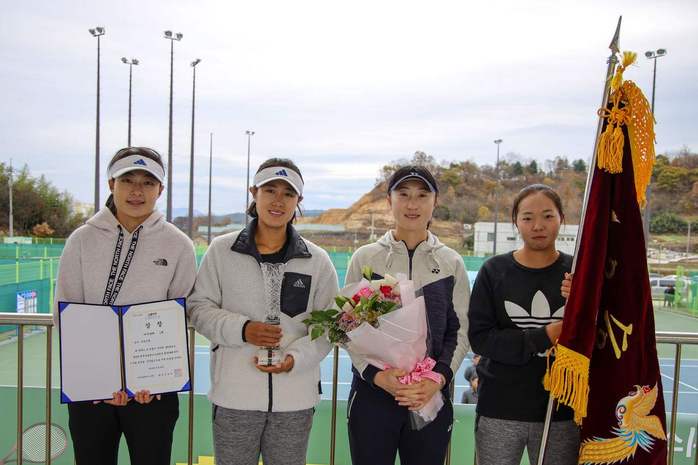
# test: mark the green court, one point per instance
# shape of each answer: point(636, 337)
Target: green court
point(462, 442)
point(32, 268)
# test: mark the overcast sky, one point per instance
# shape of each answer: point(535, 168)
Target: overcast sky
point(340, 87)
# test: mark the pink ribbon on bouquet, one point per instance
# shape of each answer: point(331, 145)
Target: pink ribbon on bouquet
point(422, 371)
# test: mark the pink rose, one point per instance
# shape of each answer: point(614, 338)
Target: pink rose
point(363, 292)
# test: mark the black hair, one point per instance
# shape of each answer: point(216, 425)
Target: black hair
point(128, 151)
point(285, 163)
point(534, 189)
point(417, 171)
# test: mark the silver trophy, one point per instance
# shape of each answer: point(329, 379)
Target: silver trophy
point(273, 274)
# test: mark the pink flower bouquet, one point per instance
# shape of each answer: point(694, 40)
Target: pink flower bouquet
point(384, 322)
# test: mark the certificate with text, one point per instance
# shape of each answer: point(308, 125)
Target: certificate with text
point(155, 347)
point(129, 348)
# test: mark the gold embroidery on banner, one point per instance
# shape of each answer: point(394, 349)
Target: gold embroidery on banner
point(636, 428)
point(626, 329)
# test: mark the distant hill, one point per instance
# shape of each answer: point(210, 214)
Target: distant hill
point(467, 194)
point(184, 212)
point(181, 214)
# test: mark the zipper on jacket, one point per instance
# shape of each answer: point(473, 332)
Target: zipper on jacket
point(351, 404)
point(271, 394)
point(410, 254)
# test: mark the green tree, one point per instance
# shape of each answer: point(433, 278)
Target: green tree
point(36, 201)
point(675, 178)
point(579, 166)
point(532, 168)
point(667, 223)
point(517, 169)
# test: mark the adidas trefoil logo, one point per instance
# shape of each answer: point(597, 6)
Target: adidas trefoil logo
point(140, 161)
point(160, 262)
point(299, 284)
point(281, 173)
point(540, 312)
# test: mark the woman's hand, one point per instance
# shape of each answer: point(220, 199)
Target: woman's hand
point(262, 334)
point(553, 331)
point(144, 397)
point(119, 399)
point(286, 365)
point(415, 396)
point(388, 380)
point(566, 285)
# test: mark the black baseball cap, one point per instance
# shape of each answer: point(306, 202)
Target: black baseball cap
point(412, 172)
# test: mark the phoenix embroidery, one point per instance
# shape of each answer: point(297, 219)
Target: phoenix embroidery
point(636, 428)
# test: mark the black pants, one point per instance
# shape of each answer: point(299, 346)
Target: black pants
point(96, 431)
point(379, 428)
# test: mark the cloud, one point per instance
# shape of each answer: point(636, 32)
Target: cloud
point(340, 88)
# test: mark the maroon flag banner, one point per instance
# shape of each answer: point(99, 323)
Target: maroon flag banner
point(606, 365)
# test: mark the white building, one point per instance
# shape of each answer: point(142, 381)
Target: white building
point(508, 238)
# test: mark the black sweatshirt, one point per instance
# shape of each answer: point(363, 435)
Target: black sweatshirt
point(509, 308)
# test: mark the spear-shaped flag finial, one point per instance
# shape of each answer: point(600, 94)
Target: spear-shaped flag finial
point(615, 43)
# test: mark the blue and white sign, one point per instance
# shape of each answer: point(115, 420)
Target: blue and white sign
point(27, 302)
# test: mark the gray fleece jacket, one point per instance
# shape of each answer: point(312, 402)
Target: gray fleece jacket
point(229, 292)
point(163, 265)
point(440, 274)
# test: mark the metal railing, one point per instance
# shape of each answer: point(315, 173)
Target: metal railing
point(44, 319)
point(679, 339)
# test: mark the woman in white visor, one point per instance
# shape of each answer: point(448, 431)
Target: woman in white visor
point(254, 289)
point(126, 254)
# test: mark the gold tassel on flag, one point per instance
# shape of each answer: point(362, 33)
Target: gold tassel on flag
point(568, 380)
point(628, 107)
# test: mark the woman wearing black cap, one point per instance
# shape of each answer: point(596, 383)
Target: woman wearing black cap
point(126, 254)
point(379, 405)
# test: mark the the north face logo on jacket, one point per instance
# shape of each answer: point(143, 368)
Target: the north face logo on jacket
point(160, 262)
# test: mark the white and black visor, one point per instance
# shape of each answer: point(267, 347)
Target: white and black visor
point(136, 162)
point(273, 173)
point(413, 175)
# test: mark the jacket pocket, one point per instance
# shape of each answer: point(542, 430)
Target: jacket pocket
point(295, 293)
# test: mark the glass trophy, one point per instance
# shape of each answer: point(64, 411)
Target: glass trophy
point(273, 275)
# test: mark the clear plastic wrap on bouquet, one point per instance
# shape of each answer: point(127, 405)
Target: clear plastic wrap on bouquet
point(399, 341)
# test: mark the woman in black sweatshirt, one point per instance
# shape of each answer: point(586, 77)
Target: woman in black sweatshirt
point(516, 311)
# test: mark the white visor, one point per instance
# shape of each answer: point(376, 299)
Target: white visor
point(136, 162)
point(280, 172)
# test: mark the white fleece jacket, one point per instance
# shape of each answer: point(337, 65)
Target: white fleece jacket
point(229, 291)
point(163, 265)
point(432, 262)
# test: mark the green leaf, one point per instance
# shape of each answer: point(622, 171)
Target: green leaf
point(316, 332)
point(340, 300)
point(387, 307)
point(367, 272)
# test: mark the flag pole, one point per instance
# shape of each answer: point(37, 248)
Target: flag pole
point(612, 61)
